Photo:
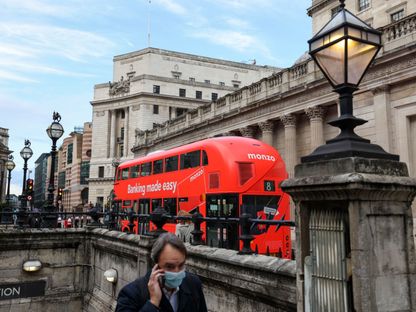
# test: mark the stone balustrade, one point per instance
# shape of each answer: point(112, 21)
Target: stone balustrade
point(74, 262)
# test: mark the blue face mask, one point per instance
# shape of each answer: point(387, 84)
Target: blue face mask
point(173, 280)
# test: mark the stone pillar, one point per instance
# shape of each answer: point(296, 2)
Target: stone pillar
point(126, 131)
point(266, 128)
point(354, 232)
point(247, 132)
point(381, 117)
point(289, 121)
point(112, 133)
point(316, 115)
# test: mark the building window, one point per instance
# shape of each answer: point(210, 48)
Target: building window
point(207, 81)
point(122, 114)
point(182, 92)
point(397, 15)
point(222, 83)
point(180, 111)
point(363, 4)
point(191, 79)
point(236, 85)
point(122, 133)
point(176, 75)
point(156, 89)
point(69, 153)
point(101, 171)
point(156, 109)
point(85, 172)
point(121, 150)
point(198, 94)
point(214, 96)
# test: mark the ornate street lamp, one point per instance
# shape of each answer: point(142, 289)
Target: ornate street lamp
point(10, 165)
point(26, 154)
point(54, 131)
point(344, 49)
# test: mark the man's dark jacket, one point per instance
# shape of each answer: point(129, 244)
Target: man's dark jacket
point(134, 297)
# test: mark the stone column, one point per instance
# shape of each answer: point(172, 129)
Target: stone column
point(316, 115)
point(112, 133)
point(266, 128)
point(354, 231)
point(381, 117)
point(247, 132)
point(289, 121)
point(126, 131)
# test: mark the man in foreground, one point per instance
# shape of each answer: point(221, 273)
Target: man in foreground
point(168, 287)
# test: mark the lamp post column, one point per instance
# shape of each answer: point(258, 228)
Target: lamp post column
point(54, 131)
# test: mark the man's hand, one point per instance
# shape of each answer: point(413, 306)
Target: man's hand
point(154, 287)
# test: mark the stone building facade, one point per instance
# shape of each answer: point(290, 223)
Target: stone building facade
point(4, 154)
point(290, 109)
point(150, 87)
point(73, 169)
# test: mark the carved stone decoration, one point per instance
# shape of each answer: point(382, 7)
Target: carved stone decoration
point(381, 89)
point(119, 87)
point(315, 112)
point(288, 120)
point(247, 132)
point(266, 126)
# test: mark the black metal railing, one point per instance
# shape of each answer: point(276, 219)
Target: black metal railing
point(139, 223)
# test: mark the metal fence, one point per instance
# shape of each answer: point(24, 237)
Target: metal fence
point(139, 223)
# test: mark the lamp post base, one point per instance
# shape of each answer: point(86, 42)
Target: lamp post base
point(348, 143)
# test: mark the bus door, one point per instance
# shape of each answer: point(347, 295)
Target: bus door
point(264, 207)
point(222, 235)
point(144, 208)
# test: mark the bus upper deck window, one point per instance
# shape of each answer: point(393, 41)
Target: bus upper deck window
point(134, 172)
point(158, 166)
point(171, 164)
point(204, 158)
point(191, 160)
point(145, 169)
point(125, 174)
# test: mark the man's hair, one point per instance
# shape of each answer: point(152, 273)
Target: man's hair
point(162, 241)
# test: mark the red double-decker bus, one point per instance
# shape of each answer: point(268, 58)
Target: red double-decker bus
point(220, 176)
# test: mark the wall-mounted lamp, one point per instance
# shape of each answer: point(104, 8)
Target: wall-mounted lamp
point(111, 275)
point(32, 265)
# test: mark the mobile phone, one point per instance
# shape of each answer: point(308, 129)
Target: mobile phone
point(162, 281)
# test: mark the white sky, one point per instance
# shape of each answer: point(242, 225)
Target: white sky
point(52, 53)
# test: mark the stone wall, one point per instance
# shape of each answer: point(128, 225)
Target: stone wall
point(74, 261)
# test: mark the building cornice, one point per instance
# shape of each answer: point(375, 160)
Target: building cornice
point(190, 57)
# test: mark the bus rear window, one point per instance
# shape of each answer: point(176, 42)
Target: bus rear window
point(125, 174)
point(171, 164)
point(191, 160)
point(204, 158)
point(145, 169)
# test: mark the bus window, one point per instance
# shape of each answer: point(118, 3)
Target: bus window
point(134, 172)
point(118, 174)
point(204, 158)
point(156, 202)
point(170, 205)
point(158, 166)
point(125, 174)
point(126, 203)
point(260, 207)
point(135, 208)
point(190, 160)
point(145, 169)
point(171, 164)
